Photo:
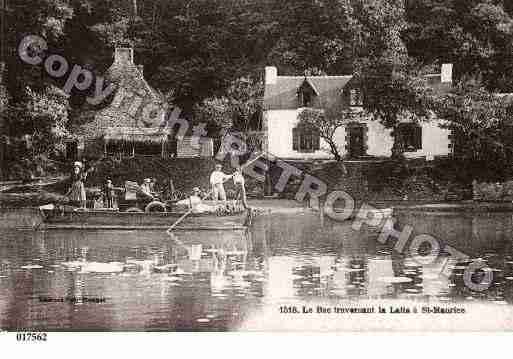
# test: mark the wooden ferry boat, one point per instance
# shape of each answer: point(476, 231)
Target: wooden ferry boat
point(72, 218)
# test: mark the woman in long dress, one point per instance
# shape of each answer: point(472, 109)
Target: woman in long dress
point(77, 190)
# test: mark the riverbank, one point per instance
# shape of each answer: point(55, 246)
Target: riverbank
point(31, 199)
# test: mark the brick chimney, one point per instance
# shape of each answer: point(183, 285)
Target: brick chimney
point(271, 75)
point(124, 55)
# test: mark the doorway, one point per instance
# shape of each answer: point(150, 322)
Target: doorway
point(356, 141)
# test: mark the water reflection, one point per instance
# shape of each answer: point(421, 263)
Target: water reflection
point(214, 280)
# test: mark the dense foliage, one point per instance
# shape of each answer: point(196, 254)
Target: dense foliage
point(208, 55)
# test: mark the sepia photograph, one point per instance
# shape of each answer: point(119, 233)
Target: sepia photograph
point(326, 166)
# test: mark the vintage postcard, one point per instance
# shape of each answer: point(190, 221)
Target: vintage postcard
point(256, 165)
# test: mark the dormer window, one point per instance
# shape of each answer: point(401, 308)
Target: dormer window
point(355, 97)
point(306, 94)
point(306, 99)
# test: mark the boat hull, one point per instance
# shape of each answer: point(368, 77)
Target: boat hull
point(135, 220)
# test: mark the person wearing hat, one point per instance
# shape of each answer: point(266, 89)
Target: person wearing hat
point(109, 193)
point(146, 187)
point(77, 193)
point(217, 178)
point(238, 181)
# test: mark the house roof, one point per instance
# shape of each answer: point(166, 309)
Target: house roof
point(126, 74)
point(283, 94)
point(129, 78)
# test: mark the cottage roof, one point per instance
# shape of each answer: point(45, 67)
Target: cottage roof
point(127, 77)
point(126, 74)
point(283, 93)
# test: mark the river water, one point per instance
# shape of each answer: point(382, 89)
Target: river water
point(146, 280)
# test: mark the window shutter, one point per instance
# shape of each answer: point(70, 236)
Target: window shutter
point(295, 139)
point(418, 137)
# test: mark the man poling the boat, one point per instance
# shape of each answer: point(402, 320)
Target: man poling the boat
point(225, 178)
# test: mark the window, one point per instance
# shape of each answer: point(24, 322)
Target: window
point(306, 94)
point(410, 134)
point(305, 139)
point(355, 97)
point(306, 99)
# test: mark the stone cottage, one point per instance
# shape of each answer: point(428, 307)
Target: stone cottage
point(132, 121)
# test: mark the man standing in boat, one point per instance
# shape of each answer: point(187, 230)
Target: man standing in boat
point(217, 178)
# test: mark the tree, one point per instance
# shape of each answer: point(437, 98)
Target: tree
point(327, 121)
point(236, 109)
point(36, 128)
point(480, 120)
point(200, 47)
point(392, 83)
point(314, 36)
point(475, 35)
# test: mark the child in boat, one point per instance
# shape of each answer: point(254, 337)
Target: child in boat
point(154, 186)
point(109, 194)
point(98, 201)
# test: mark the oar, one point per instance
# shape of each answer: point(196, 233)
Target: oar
point(178, 221)
point(208, 194)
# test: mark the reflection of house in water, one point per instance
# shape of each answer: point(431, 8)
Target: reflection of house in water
point(350, 269)
point(279, 282)
point(377, 269)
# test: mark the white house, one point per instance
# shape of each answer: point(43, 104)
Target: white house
point(286, 96)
